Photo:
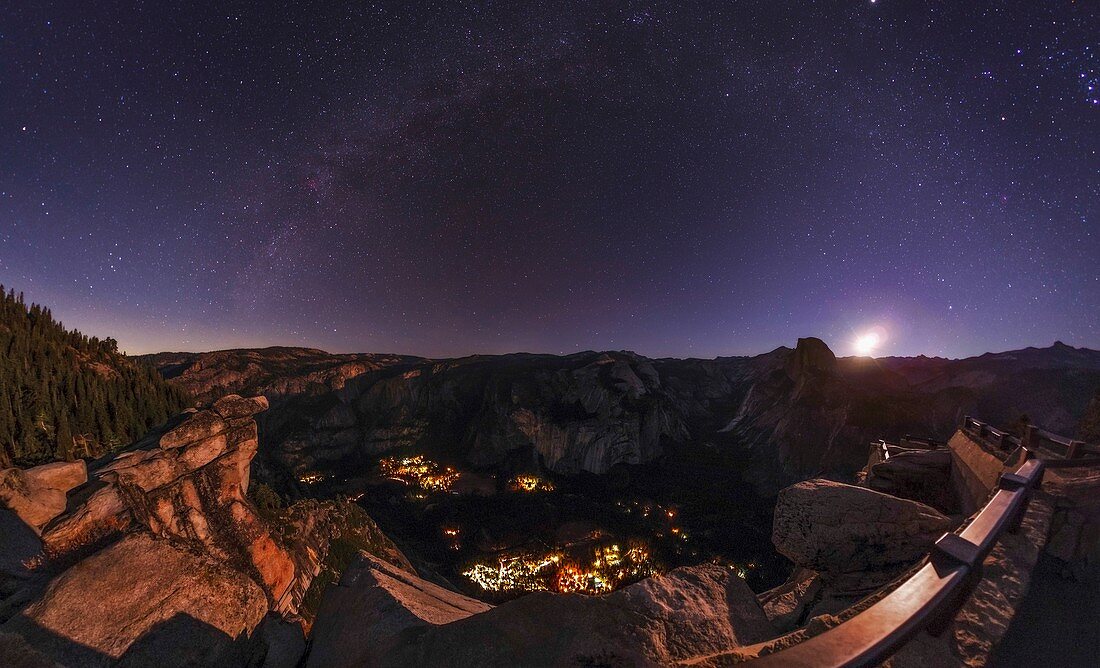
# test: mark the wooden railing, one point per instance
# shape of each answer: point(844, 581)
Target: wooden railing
point(870, 636)
point(920, 442)
point(907, 443)
point(1067, 449)
point(942, 582)
point(1002, 440)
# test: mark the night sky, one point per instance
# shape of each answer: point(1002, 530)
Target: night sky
point(678, 179)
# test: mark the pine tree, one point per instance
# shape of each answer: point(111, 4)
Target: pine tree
point(64, 438)
point(64, 394)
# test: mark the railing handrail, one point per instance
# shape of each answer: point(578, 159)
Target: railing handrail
point(1055, 438)
point(873, 634)
point(926, 440)
point(983, 429)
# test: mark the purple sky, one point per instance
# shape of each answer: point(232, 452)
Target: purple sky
point(449, 178)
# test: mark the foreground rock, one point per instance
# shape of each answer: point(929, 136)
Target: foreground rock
point(37, 495)
point(973, 635)
point(656, 622)
point(918, 475)
point(144, 597)
point(362, 618)
point(162, 558)
point(854, 539)
point(836, 528)
point(189, 484)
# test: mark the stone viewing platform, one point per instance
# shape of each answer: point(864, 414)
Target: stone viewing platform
point(1026, 517)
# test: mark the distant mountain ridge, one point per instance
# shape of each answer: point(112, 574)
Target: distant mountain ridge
point(969, 371)
point(277, 370)
point(787, 414)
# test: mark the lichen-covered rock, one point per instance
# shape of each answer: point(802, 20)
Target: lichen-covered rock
point(127, 593)
point(102, 513)
point(659, 621)
point(324, 539)
point(918, 475)
point(235, 406)
point(374, 602)
point(39, 494)
point(836, 528)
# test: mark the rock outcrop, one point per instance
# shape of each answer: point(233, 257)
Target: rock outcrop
point(143, 596)
point(373, 604)
point(37, 495)
point(854, 539)
point(657, 622)
point(324, 537)
point(918, 475)
point(161, 553)
point(187, 484)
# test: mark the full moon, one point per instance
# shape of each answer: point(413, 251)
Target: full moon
point(866, 343)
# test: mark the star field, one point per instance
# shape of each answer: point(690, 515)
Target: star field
point(679, 179)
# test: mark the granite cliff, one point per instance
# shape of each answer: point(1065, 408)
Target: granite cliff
point(159, 551)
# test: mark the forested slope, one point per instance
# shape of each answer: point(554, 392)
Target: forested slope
point(64, 394)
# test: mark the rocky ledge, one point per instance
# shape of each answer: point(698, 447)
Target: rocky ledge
point(381, 616)
point(159, 552)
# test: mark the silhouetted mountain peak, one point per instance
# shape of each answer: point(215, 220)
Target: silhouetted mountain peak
point(811, 355)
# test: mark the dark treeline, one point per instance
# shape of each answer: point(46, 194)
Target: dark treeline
point(65, 395)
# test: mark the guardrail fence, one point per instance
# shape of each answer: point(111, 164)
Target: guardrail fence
point(936, 589)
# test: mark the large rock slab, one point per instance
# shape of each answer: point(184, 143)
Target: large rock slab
point(38, 495)
point(689, 612)
point(199, 426)
point(918, 475)
point(142, 595)
point(361, 617)
point(169, 562)
point(836, 528)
